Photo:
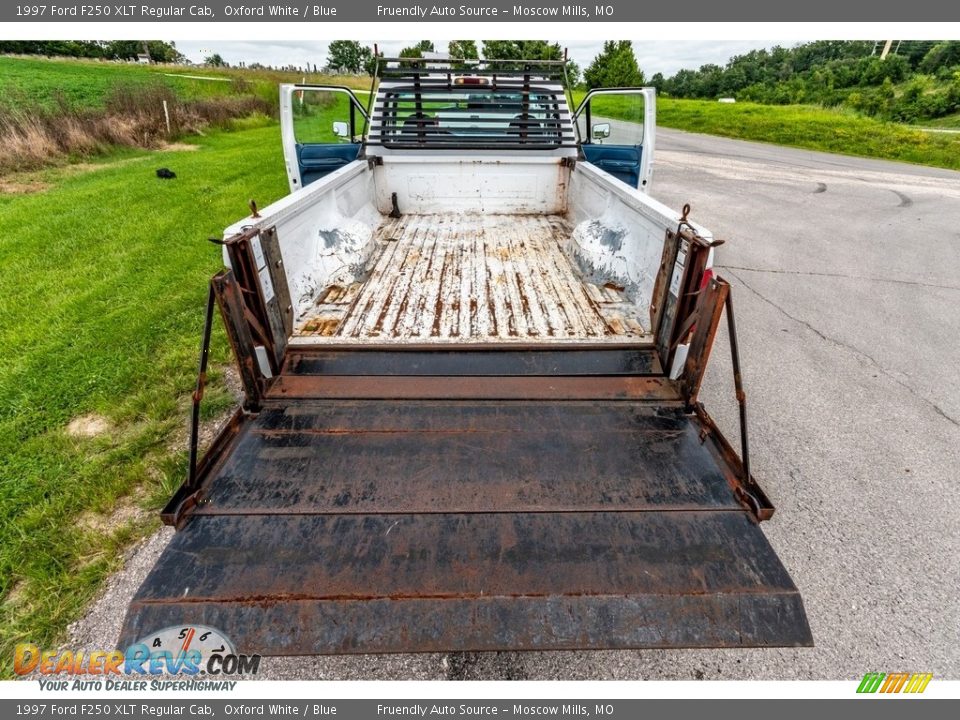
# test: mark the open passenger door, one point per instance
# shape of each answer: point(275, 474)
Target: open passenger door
point(322, 128)
point(617, 128)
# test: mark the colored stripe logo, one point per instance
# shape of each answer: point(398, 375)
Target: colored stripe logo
point(913, 683)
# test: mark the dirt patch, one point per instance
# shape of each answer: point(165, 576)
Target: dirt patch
point(12, 186)
point(16, 594)
point(34, 181)
point(125, 513)
point(178, 147)
point(88, 426)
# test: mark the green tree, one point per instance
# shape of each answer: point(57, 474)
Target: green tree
point(615, 66)
point(58, 48)
point(417, 51)
point(160, 51)
point(215, 61)
point(371, 63)
point(942, 55)
point(348, 56)
point(521, 50)
point(463, 50)
point(528, 50)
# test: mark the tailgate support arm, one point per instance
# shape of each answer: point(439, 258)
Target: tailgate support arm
point(738, 384)
point(711, 302)
point(198, 392)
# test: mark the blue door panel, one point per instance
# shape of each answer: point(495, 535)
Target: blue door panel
point(317, 160)
point(621, 161)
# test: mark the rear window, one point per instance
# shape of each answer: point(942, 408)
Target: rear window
point(449, 117)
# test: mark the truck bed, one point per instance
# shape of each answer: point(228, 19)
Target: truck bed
point(472, 278)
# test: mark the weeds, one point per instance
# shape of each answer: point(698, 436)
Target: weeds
point(32, 136)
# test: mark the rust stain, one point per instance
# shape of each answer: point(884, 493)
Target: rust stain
point(472, 277)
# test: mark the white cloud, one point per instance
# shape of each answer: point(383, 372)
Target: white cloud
point(653, 56)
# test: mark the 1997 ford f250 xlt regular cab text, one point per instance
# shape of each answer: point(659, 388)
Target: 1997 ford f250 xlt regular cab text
point(471, 347)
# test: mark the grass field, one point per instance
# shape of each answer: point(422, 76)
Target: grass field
point(951, 122)
point(812, 128)
point(88, 83)
point(59, 111)
point(800, 126)
point(102, 292)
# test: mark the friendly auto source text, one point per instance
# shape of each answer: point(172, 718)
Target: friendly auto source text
point(423, 11)
point(512, 710)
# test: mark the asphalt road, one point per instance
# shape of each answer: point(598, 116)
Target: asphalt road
point(845, 281)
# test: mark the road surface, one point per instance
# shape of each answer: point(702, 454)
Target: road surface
point(845, 281)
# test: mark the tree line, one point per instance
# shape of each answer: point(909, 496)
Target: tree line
point(920, 80)
point(616, 65)
point(349, 56)
point(159, 51)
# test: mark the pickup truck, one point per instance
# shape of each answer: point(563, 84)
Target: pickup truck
point(471, 364)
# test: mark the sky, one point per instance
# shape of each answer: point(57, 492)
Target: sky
point(653, 56)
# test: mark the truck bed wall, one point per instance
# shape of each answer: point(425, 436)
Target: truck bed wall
point(448, 185)
point(326, 230)
point(618, 232)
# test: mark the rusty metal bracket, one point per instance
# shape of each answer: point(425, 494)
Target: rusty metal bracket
point(738, 384)
point(694, 235)
point(198, 392)
point(716, 298)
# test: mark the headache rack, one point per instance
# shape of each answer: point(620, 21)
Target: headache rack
point(471, 104)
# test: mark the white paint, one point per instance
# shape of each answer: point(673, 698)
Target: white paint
point(288, 136)
point(266, 284)
point(425, 183)
point(633, 225)
point(263, 361)
point(257, 247)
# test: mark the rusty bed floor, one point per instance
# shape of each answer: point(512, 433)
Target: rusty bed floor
point(472, 279)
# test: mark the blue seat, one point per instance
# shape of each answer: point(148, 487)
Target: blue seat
point(317, 160)
point(621, 161)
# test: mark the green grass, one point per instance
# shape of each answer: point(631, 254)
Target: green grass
point(948, 122)
point(812, 128)
point(87, 83)
point(102, 292)
point(803, 126)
